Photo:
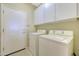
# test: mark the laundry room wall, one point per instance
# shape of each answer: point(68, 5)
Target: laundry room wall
point(69, 25)
point(0, 26)
point(28, 9)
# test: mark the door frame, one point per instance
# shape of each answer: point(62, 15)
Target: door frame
point(2, 28)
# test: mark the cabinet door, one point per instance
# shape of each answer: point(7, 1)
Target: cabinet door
point(65, 11)
point(45, 13)
point(49, 11)
point(36, 17)
point(39, 15)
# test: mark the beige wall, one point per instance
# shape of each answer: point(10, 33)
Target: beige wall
point(69, 25)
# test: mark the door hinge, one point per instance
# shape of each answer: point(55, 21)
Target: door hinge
point(3, 30)
point(3, 11)
point(3, 49)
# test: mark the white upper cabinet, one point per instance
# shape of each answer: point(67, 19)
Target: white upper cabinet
point(49, 12)
point(52, 12)
point(36, 17)
point(65, 11)
point(45, 13)
point(39, 15)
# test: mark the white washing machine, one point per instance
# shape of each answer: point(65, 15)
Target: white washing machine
point(33, 41)
point(58, 44)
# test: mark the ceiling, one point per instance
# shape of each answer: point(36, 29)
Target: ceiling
point(36, 4)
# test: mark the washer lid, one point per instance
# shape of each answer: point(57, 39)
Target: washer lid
point(60, 36)
point(57, 38)
point(63, 39)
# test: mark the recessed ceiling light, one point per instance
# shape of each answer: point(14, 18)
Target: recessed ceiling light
point(47, 5)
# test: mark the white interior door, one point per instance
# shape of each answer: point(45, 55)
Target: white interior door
point(14, 35)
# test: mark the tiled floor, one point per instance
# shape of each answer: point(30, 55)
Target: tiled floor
point(22, 53)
